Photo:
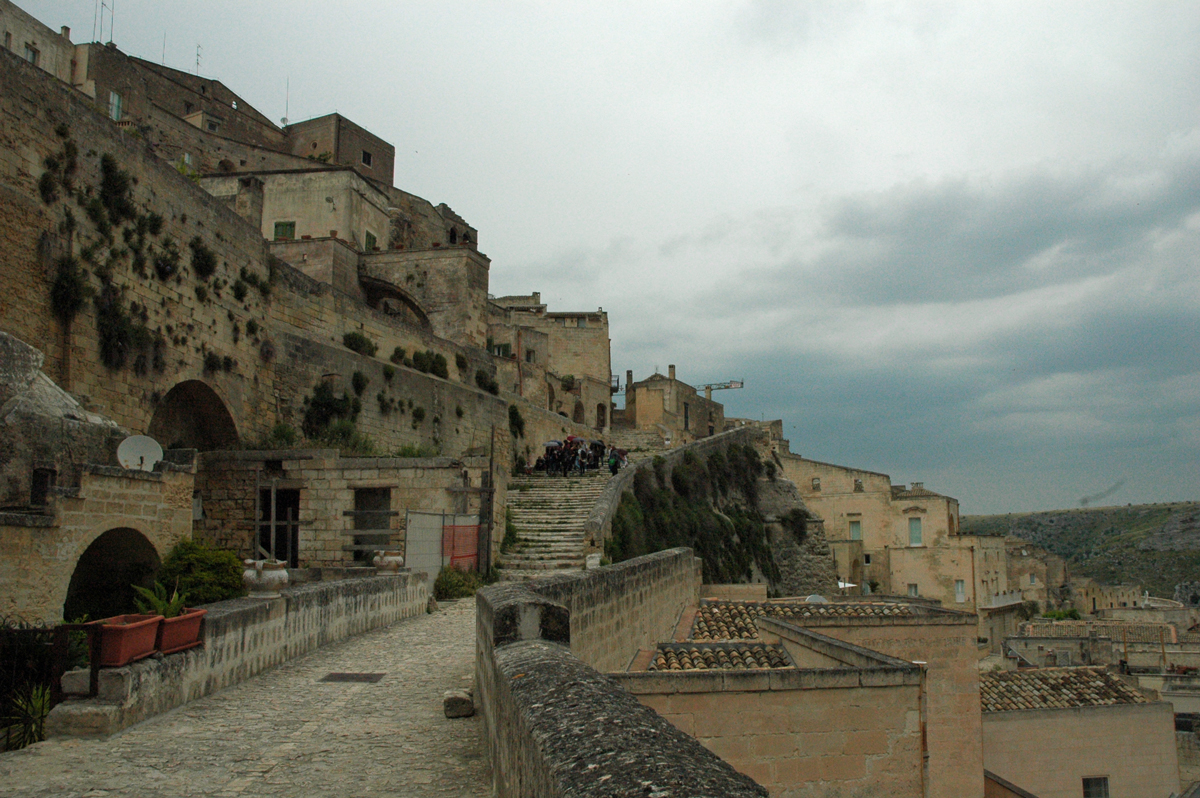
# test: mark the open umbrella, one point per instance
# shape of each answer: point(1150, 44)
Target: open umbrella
point(548, 444)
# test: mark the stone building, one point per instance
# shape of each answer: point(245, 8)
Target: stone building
point(1066, 732)
point(863, 696)
point(1040, 575)
point(162, 308)
point(670, 406)
point(905, 540)
point(559, 360)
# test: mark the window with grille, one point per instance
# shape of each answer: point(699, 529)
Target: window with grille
point(856, 530)
point(1095, 787)
point(914, 532)
point(285, 231)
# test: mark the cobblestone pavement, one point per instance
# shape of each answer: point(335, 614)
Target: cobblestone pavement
point(284, 733)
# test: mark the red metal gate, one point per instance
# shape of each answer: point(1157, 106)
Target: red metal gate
point(460, 545)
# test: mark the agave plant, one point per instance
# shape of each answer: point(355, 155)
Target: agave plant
point(157, 602)
point(27, 717)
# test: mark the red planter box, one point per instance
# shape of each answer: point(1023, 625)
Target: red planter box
point(181, 632)
point(127, 638)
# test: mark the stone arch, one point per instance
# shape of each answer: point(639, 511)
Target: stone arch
point(192, 416)
point(394, 301)
point(101, 583)
point(601, 416)
point(578, 417)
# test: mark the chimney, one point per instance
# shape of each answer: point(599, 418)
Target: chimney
point(537, 297)
point(671, 371)
point(628, 378)
point(918, 485)
point(66, 33)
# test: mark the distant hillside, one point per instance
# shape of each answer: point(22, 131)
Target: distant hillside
point(1154, 545)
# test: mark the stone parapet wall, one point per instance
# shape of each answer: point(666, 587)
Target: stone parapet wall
point(554, 724)
point(242, 638)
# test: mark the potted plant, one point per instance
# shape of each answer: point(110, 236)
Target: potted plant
point(127, 638)
point(180, 628)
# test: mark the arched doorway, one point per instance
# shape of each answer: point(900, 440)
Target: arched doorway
point(192, 416)
point(601, 413)
point(578, 417)
point(101, 584)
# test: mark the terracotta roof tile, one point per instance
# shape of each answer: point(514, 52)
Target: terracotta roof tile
point(1053, 688)
point(720, 656)
point(1117, 631)
point(734, 620)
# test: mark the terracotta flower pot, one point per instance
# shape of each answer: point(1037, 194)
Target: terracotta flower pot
point(181, 632)
point(127, 638)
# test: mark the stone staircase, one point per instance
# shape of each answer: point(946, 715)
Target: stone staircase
point(549, 513)
point(640, 443)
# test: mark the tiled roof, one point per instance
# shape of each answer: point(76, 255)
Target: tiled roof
point(1053, 688)
point(730, 620)
point(728, 656)
point(1117, 631)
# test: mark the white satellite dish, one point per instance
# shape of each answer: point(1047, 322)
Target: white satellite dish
point(139, 453)
point(815, 599)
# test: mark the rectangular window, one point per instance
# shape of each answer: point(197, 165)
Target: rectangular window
point(686, 416)
point(960, 591)
point(114, 106)
point(529, 355)
point(279, 525)
point(1095, 787)
point(7, 40)
point(914, 532)
point(285, 231)
point(366, 158)
point(816, 483)
point(856, 530)
point(858, 486)
point(41, 485)
point(912, 590)
point(369, 241)
point(866, 559)
point(31, 55)
point(1032, 579)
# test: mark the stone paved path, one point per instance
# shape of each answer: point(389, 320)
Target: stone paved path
point(283, 733)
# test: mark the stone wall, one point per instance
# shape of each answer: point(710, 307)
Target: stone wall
point(242, 638)
point(38, 554)
point(326, 483)
point(554, 725)
point(56, 54)
point(1049, 752)
point(944, 641)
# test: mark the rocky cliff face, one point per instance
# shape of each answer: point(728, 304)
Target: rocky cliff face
point(797, 541)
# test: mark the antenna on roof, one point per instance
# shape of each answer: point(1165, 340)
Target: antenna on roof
point(197, 59)
point(95, 20)
point(164, 57)
point(112, 16)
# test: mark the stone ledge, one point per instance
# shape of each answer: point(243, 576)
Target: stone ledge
point(585, 735)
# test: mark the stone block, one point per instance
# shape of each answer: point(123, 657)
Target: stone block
point(458, 704)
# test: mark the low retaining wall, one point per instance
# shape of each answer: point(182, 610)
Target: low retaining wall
point(556, 726)
point(242, 638)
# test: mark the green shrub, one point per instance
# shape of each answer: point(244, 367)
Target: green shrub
point(204, 262)
point(418, 415)
point(438, 366)
point(359, 382)
point(388, 373)
point(461, 361)
point(27, 716)
point(357, 342)
point(455, 583)
point(344, 435)
point(204, 573)
point(251, 327)
point(512, 538)
point(70, 290)
point(239, 290)
point(398, 355)
point(282, 436)
point(212, 362)
point(568, 382)
point(323, 408)
point(486, 382)
point(516, 423)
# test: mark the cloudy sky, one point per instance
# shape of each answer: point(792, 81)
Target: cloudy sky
point(954, 242)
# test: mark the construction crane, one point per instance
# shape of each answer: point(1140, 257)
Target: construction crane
point(719, 386)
